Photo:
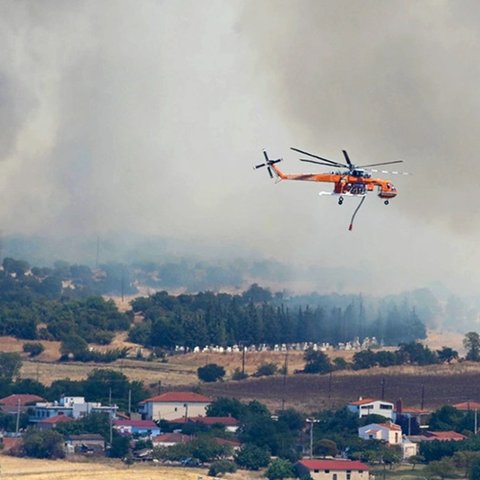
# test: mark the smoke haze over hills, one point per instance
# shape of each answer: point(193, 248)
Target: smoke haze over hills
point(142, 120)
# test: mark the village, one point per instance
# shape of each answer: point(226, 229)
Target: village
point(160, 429)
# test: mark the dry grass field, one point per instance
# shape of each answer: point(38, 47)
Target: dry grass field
point(30, 469)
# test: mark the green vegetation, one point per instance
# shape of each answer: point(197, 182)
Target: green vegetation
point(211, 372)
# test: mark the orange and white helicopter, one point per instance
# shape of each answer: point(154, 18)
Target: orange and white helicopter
point(355, 181)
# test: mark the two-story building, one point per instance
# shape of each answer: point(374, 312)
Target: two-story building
point(369, 406)
point(74, 407)
point(172, 405)
point(322, 469)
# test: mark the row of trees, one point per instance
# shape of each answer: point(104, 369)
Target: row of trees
point(222, 319)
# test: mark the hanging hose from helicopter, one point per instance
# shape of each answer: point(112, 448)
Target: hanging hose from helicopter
point(355, 213)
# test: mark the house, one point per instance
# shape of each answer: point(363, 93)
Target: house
point(86, 444)
point(386, 432)
point(231, 424)
point(370, 406)
point(170, 439)
point(467, 406)
point(18, 402)
point(52, 422)
point(75, 407)
point(409, 448)
point(172, 405)
point(411, 419)
point(445, 436)
point(136, 427)
point(333, 469)
point(233, 444)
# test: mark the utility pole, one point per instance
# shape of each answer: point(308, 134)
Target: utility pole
point(130, 403)
point(285, 372)
point(422, 404)
point(383, 389)
point(17, 426)
point(475, 423)
point(243, 359)
point(311, 421)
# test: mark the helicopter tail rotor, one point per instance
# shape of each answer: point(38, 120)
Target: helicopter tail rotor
point(268, 163)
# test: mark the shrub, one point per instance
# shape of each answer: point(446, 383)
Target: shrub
point(266, 370)
point(239, 375)
point(221, 466)
point(34, 349)
point(211, 372)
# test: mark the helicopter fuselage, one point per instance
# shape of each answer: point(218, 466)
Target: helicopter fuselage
point(357, 182)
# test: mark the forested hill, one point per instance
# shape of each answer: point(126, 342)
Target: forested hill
point(58, 304)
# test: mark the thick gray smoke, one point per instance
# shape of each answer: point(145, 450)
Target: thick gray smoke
point(146, 117)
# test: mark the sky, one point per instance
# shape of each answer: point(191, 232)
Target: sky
point(146, 117)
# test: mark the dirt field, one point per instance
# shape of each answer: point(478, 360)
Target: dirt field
point(29, 469)
point(442, 385)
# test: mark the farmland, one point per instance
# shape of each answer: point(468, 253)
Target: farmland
point(30, 469)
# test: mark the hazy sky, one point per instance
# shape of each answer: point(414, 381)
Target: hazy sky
point(147, 116)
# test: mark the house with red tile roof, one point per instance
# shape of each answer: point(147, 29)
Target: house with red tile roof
point(172, 405)
point(231, 424)
point(445, 436)
point(467, 406)
point(52, 422)
point(387, 432)
point(18, 401)
point(333, 469)
point(170, 439)
point(371, 406)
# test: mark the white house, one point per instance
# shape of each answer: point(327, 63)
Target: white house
point(387, 432)
point(172, 405)
point(333, 469)
point(370, 406)
point(74, 407)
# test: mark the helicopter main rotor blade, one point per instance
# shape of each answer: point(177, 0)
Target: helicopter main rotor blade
point(270, 171)
point(377, 164)
point(260, 166)
point(345, 154)
point(320, 163)
point(331, 162)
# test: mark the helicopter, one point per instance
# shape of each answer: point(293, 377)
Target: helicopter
point(351, 181)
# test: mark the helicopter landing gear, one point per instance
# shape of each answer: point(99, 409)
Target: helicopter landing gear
point(386, 202)
point(340, 200)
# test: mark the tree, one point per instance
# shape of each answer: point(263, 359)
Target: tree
point(210, 372)
point(325, 447)
point(43, 444)
point(73, 344)
point(446, 418)
point(280, 469)
point(120, 446)
point(10, 365)
point(252, 457)
point(474, 473)
point(224, 407)
point(34, 349)
point(447, 354)
point(415, 460)
point(440, 469)
point(471, 342)
point(316, 362)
